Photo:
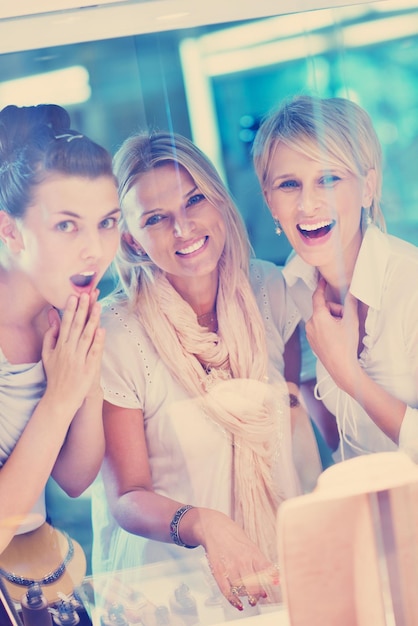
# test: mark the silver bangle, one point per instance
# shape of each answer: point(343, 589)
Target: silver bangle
point(174, 525)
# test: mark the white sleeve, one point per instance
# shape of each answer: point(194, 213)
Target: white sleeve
point(123, 377)
point(280, 315)
point(274, 298)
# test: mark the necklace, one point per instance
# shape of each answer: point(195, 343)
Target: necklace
point(50, 578)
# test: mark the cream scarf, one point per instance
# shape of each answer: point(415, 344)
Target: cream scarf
point(227, 372)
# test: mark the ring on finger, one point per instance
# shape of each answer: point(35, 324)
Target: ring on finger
point(239, 590)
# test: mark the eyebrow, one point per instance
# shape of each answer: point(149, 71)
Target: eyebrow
point(189, 193)
point(322, 170)
point(77, 216)
point(283, 176)
point(185, 196)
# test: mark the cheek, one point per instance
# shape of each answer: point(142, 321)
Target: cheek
point(275, 203)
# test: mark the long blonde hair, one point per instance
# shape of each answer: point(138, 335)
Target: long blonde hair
point(226, 371)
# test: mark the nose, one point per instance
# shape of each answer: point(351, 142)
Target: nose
point(91, 245)
point(309, 200)
point(183, 225)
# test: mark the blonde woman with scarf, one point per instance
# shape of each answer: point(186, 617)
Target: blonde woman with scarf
point(196, 411)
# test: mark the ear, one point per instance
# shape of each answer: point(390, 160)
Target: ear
point(266, 195)
point(132, 243)
point(369, 188)
point(10, 234)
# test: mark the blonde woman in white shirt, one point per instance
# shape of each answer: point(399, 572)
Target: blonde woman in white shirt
point(196, 416)
point(319, 166)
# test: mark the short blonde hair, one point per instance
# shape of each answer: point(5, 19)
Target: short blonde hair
point(332, 128)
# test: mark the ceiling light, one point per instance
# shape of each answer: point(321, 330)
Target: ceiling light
point(65, 86)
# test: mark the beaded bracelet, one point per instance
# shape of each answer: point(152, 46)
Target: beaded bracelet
point(174, 525)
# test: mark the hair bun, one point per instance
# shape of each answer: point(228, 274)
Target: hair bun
point(38, 124)
point(50, 115)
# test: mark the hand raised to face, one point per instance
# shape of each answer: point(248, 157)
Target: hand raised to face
point(72, 350)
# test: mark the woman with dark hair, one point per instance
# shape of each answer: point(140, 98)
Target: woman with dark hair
point(59, 212)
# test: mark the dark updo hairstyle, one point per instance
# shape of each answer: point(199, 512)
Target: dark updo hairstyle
point(36, 141)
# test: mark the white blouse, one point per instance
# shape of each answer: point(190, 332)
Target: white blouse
point(190, 456)
point(386, 279)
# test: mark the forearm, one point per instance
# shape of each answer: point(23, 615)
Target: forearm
point(82, 453)
point(386, 411)
point(231, 554)
point(24, 475)
point(149, 515)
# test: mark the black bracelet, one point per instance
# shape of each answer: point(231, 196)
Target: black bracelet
point(174, 526)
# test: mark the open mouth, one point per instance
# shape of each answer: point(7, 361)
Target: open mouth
point(314, 231)
point(83, 280)
point(193, 247)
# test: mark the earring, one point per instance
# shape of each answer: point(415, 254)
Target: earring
point(277, 227)
point(366, 215)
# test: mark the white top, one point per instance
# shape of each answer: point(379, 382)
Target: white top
point(386, 279)
point(190, 456)
point(21, 388)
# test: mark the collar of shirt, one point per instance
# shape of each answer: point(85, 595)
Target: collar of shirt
point(296, 269)
point(370, 269)
point(367, 282)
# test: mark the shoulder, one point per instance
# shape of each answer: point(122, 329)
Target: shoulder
point(264, 273)
point(124, 331)
point(403, 250)
point(401, 293)
point(401, 268)
point(273, 298)
point(118, 316)
point(387, 249)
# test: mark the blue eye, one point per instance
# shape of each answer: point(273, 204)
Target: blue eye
point(66, 227)
point(329, 179)
point(109, 223)
point(289, 184)
point(154, 219)
point(195, 199)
